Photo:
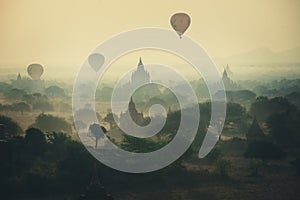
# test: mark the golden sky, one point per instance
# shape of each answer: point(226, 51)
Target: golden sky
point(60, 33)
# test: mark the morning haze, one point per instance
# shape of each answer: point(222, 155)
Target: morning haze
point(60, 35)
point(49, 123)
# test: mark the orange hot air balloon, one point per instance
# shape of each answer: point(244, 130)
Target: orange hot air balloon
point(35, 71)
point(180, 22)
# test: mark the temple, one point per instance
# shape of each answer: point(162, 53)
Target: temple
point(229, 84)
point(28, 85)
point(140, 75)
point(255, 132)
point(136, 116)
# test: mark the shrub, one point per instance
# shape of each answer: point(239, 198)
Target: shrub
point(223, 166)
point(264, 150)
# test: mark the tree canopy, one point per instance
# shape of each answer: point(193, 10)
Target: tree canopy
point(50, 123)
point(8, 128)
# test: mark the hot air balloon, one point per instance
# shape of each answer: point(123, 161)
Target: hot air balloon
point(35, 71)
point(96, 60)
point(180, 22)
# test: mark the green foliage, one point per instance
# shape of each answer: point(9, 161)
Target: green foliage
point(95, 131)
point(156, 100)
point(8, 128)
point(279, 127)
point(5, 88)
point(254, 167)
point(223, 166)
point(42, 106)
point(262, 108)
point(110, 118)
point(104, 94)
point(214, 154)
point(172, 123)
point(38, 102)
point(6, 108)
point(55, 91)
point(140, 145)
point(35, 136)
point(296, 164)
point(38, 166)
point(235, 111)
point(264, 150)
point(63, 107)
point(149, 91)
point(14, 94)
point(261, 90)
point(237, 119)
point(294, 98)
point(201, 88)
point(241, 96)
point(49, 123)
point(21, 107)
point(284, 128)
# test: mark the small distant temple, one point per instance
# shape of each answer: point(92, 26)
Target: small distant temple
point(229, 84)
point(136, 116)
point(140, 75)
point(255, 132)
point(29, 85)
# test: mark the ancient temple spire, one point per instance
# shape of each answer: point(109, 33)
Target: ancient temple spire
point(140, 65)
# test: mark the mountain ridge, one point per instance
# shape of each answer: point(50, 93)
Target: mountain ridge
point(263, 56)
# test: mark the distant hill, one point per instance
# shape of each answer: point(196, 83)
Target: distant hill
point(264, 56)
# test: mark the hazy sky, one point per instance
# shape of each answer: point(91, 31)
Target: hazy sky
point(60, 33)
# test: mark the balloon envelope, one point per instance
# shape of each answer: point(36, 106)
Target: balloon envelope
point(180, 22)
point(96, 60)
point(35, 71)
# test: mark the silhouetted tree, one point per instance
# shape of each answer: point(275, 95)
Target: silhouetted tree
point(95, 131)
point(38, 102)
point(264, 150)
point(296, 164)
point(42, 106)
point(140, 145)
point(8, 128)
point(262, 108)
point(21, 107)
point(4, 87)
point(223, 166)
point(15, 94)
point(50, 123)
point(109, 118)
point(55, 91)
point(214, 154)
point(284, 128)
point(255, 164)
point(28, 98)
point(294, 98)
point(35, 140)
point(6, 108)
point(237, 115)
point(279, 127)
point(241, 96)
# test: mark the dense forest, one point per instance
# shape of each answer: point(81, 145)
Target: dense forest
point(43, 158)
